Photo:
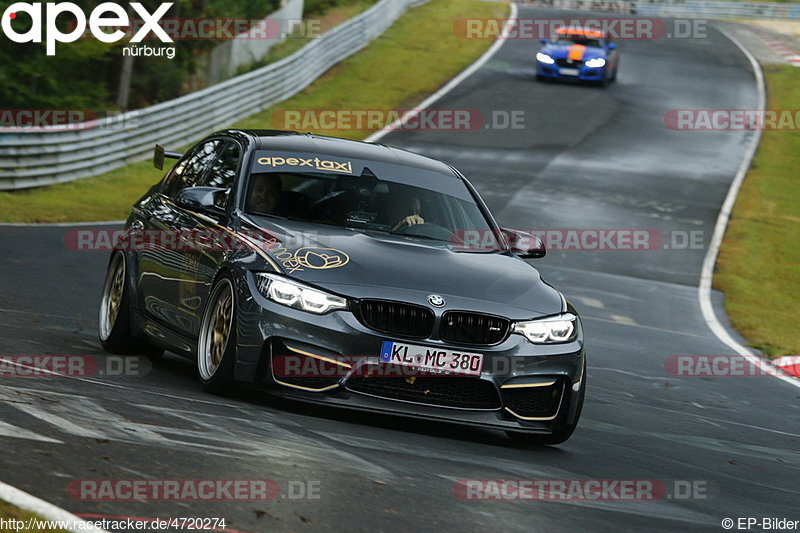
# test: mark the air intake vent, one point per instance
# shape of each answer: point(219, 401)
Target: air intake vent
point(395, 318)
point(464, 393)
point(473, 328)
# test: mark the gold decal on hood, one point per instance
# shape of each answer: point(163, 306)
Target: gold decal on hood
point(321, 258)
point(308, 257)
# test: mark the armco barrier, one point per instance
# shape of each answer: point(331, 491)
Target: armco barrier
point(34, 158)
point(747, 10)
point(681, 8)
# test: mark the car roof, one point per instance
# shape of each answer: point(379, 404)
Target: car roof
point(580, 31)
point(333, 146)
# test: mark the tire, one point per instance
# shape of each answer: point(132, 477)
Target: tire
point(114, 325)
point(540, 78)
point(216, 345)
point(561, 430)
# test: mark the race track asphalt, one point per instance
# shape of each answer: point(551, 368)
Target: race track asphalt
point(587, 158)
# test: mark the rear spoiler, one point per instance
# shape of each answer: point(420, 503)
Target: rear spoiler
point(159, 154)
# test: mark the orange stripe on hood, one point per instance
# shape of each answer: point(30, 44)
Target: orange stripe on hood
point(576, 52)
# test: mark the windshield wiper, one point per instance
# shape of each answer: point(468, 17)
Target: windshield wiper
point(416, 236)
point(268, 215)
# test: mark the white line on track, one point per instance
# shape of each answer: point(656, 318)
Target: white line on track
point(60, 224)
point(706, 275)
point(372, 138)
point(14, 432)
point(449, 86)
point(47, 511)
point(707, 272)
point(453, 83)
point(116, 386)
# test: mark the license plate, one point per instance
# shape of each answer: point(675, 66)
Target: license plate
point(435, 360)
point(569, 71)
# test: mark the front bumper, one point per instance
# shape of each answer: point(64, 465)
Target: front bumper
point(584, 73)
point(523, 387)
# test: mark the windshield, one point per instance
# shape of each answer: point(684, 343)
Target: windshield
point(568, 40)
point(363, 203)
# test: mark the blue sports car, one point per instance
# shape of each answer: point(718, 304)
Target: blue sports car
point(578, 54)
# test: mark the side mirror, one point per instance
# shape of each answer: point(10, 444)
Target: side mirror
point(612, 46)
point(543, 41)
point(525, 245)
point(209, 200)
point(159, 154)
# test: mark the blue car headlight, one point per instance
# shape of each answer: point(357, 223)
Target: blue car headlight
point(549, 330)
point(290, 293)
point(596, 62)
point(544, 58)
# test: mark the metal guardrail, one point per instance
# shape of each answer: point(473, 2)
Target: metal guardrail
point(682, 8)
point(711, 9)
point(35, 158)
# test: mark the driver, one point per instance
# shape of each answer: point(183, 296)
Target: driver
point(405, 211)
point(266, 193)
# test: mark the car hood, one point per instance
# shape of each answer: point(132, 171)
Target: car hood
point(378, 265)
point(561, 51)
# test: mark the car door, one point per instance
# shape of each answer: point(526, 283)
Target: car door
point(201, 264)
point(162, 260)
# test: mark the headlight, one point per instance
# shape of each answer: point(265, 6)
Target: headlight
point(544, 58)
point(548, 330)
point(596, 62)
point(293, 294)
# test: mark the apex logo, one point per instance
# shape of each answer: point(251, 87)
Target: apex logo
point(106, 15)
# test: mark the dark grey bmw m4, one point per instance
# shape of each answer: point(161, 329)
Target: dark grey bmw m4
point(347, 274)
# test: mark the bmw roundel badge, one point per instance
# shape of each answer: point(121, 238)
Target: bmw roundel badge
point(436, 300)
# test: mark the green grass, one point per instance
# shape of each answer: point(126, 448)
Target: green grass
point(411, 60)
point(416, 56)
point(8, 511)
point(759, 262)
point(108, 196)
point(326, 20)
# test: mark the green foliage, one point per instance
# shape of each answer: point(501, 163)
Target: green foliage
point(11, 512)
point(421, 45)
point(317, 7)
point(85, 74)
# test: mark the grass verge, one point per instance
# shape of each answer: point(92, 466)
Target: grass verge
point(11, 512)
point(324, 21)
point(416, 56)
point(759, 262)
